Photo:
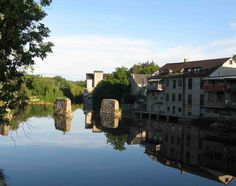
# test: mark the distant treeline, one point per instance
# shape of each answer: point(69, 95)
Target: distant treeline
point(47, 89)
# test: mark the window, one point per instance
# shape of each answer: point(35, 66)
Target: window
point(188, 156)
point(230, 62)
point(190, 99)
point(178, 140)
point(180, 97)
point(201, 99)
point(173, 109)
point(168, 109)
point(172, 140)
point(188, 141)
point(201, 83)
point(190, 83)
point(166, 137)
point(167, 97)
point(167, 82)
point(179, 109)
point(179, 83)
point(173, 97)
point(174, 83)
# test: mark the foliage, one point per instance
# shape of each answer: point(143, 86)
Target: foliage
point(117, 141)
point(113, 87)
point(144, 68)
point(119, 76)
point(48, 89)
point(22, 36)
point(234, 57)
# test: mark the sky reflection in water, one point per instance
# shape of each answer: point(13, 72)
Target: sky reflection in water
point(42, 155)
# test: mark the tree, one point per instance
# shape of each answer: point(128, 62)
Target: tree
point(114, 87)
point(144, 68)
point(22, 35)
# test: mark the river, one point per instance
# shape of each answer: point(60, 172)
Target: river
point(42, 150)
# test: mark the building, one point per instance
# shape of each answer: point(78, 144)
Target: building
point(138, 83)
point(187, 89)
point(92, 80)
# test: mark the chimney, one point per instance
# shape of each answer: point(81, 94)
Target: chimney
point(185, 60)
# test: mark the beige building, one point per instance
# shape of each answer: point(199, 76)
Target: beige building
point(178, 90)
point(92, 80)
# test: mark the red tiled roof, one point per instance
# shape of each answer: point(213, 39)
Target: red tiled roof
point(203, 64)
point(205, 67)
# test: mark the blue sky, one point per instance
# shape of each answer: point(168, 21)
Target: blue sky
point(104, 34)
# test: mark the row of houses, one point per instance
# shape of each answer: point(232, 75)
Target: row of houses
point(191, 89)
point(183, 90)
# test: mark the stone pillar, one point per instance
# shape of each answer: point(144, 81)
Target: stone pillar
point(62, 106)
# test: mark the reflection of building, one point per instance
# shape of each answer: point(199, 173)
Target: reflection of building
point(185, 147)
point(62, 123)
point(90, 124)
point(4, 129)
point(88, 120)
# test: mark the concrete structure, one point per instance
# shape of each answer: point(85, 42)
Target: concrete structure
point(92, 80)
point(62, 106)
point(176, 90)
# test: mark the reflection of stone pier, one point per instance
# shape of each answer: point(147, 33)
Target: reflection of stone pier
point(110, 113)
point(62, 123)
point(5, 129)
point(108, 120)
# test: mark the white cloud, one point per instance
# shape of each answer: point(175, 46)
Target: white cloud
point(74, 56)
point(233, 25)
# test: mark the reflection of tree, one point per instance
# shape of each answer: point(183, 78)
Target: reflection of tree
point(117, 140)
point(23, 115)
point(2, 179)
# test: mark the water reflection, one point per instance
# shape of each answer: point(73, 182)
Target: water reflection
point(108, 120)
point(5, 129)
point(200, 150)
point(2, 178)
point(62, 122)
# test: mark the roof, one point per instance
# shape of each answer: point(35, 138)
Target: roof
point(192, 68)
point(221, 78)
point(140, 78)
point(89, 76)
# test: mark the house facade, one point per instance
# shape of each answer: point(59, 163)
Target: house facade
point(92, 80)
point(187, 89)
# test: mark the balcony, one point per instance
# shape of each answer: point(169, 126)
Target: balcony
point(158, 87)
point(215, 104)
point(231, 105)
point(214, 87)
point(231, 87)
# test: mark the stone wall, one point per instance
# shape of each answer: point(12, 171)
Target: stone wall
point(62, 106)
point(109, 106)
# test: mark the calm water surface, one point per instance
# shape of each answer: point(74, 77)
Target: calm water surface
point(47, 151)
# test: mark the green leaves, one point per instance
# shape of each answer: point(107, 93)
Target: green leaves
point(22, 37)
point(144, 68)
